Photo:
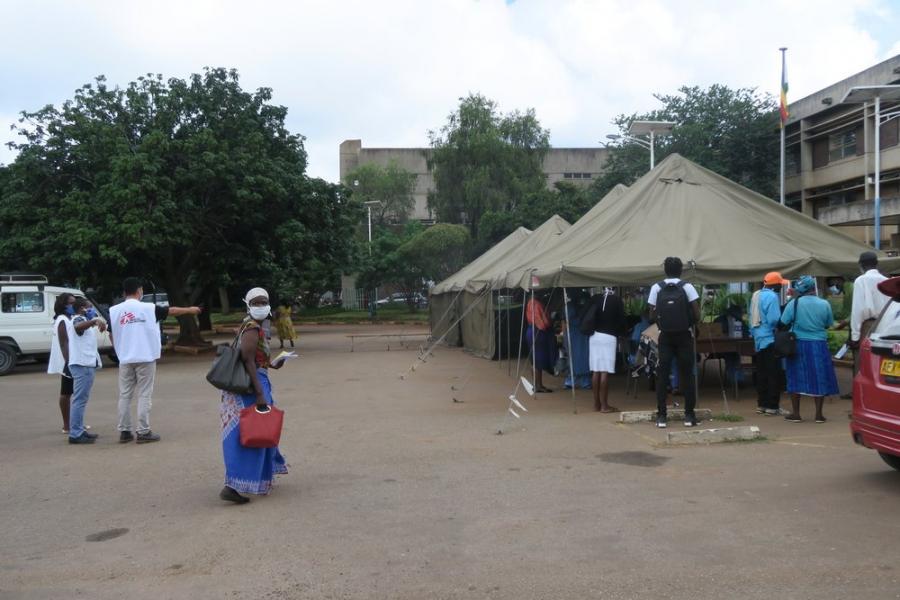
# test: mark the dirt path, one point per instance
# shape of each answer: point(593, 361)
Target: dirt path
point(396, 491)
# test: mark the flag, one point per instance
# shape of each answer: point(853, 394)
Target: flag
point(783, 106)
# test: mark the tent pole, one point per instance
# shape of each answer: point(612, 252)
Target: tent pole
point(508, 333)
point(569, 343)
point(499, 332)
point(533, 343)
point(521, 331)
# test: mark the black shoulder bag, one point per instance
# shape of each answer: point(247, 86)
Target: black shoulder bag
point(785, 344)
point(228, 372)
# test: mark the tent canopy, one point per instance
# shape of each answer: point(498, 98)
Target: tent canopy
point(484, 264)
point(519, 275)
point(722, 231)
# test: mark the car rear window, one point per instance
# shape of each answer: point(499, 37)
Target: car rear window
point(888, 326)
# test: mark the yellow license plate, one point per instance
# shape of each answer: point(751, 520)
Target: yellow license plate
point(890, 368)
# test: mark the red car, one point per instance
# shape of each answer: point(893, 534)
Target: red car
point(875, 422)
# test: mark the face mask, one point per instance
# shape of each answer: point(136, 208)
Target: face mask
point(835, 290)
point(70, 310)
point(91, 313)
point(259, 313)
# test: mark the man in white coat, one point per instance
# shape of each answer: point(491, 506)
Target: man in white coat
point(135, 334)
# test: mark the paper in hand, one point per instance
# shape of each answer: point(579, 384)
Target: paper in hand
point(284, 355)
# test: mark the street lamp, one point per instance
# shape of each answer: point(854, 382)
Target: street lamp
point(863, 95)
point(369, 206)
point(651, 128)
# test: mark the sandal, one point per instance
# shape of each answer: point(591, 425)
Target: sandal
point(611, 409)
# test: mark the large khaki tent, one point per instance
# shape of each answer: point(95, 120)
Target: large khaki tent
point(466, 294)
point(722, 231)
point(444, 297)
point(522, 270)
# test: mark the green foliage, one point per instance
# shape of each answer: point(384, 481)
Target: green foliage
point(484, 161)
point(719, 303)
point(412, 256)
point(437, 252)
point(391, 187)
point(192, 183)
point(836, 339)
point(730, 131)
point(727, 417)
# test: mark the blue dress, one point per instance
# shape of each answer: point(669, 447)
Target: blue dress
point(580, 352)
point(249, 470)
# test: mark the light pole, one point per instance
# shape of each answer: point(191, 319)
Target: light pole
point(651, 128)
point(369, 205)
point(863, 95)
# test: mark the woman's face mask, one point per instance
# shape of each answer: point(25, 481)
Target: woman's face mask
point(70, 310)
point(259, 313)
point(835, 290)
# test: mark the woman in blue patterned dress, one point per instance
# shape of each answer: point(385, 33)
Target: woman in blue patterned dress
point(250, 470)
point(810, 371)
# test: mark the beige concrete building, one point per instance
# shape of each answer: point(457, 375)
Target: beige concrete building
point(830, 164)
point(576, 165)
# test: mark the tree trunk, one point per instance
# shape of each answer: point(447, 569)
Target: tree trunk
point(223, 300)
point(189, 334)
point(205, 317)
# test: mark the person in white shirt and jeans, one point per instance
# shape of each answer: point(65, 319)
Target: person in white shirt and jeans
point(136, 339)
point(868, 302)
point(84, 360)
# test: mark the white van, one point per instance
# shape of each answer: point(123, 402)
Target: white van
point(26, 319)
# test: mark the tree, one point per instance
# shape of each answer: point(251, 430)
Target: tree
point(731, 132)
point(411, 257)
point(391, 186)
point(484, 161)
point(191, 183)
point(438, 251)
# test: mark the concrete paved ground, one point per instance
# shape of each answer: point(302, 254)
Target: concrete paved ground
point(398, 492)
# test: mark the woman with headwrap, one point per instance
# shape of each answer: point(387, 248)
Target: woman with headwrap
point(810, 371)
point(250, 470)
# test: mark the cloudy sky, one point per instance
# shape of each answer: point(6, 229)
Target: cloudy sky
point(388, 71)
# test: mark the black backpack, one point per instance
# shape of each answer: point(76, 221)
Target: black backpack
point(673, 311)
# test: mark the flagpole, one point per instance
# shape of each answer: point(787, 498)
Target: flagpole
point(783, 111)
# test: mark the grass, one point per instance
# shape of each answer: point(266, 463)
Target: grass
point(329, 314)
point(728, 417)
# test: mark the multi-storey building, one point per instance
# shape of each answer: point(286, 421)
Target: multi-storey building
point(830, 157)
point(576, 165)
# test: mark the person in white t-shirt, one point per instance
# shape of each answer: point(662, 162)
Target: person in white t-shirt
point(136, 338)
point(84, 360)
point(63, 311)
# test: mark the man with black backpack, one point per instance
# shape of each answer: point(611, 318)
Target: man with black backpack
point(674, 306)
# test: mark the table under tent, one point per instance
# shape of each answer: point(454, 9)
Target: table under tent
point(723, 232)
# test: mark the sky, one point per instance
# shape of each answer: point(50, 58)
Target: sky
point(389, 71)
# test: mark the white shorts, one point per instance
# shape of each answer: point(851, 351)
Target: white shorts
point(602, 354)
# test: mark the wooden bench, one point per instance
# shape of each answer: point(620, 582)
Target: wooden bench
point(400, 336)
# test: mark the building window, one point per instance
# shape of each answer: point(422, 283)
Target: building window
point(567, 175)
point(889, 133)
point(586, 175)
point(792, 160)
point(842, 145)
point(578, 175)
point(23, 302)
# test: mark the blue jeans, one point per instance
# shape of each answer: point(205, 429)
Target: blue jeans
point(83, 382)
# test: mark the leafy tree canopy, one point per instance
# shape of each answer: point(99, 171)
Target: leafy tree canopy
point(192, 183)
point(391, 187)
point(485, 161)
point(730, 131)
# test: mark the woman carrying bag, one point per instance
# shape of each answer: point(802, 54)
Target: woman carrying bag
point(810, 371)
point(250, 470)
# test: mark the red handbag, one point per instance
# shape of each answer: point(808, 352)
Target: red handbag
point(260, 429)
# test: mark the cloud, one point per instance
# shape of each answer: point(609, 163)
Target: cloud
point(387, 72)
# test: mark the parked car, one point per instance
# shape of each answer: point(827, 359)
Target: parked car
point(159, 298)
point(26, 319)
point(875, 420)
point(402, 298)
